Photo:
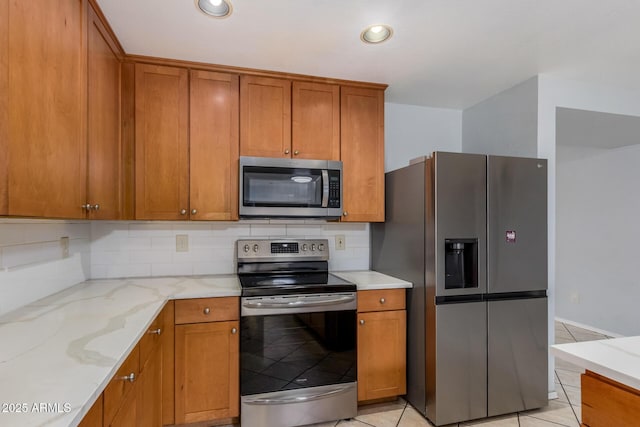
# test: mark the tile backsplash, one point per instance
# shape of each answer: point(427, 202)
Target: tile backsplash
point(132, 249)
point(33, 264)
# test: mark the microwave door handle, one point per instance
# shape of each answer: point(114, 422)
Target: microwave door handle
point(325, 188)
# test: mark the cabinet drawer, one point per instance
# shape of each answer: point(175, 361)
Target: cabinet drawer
point(120, 386)
point(152, 336)
point(201, 310)
point(381, 300)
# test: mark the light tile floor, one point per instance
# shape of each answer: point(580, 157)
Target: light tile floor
point(563, 411)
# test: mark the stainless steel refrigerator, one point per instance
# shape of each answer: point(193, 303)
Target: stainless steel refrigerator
point(470, 232)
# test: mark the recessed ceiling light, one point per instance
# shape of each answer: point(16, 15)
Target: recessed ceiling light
point(376, 33)
point(215, 8)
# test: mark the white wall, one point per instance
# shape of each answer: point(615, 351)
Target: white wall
point(505, 124)
point(598, 208)
point(553, 93)
point(31, 262)
point(133, 249)
point(412, 131)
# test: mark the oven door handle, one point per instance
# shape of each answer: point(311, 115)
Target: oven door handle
point(325, 188)
point(300, 303)
point(298, 398)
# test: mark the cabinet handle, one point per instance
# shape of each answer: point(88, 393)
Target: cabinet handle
point(183, 212)
point(382, 301)
point(154, 331)
point(86, 207)
point(131, 377)
point(362, 321)
point(234, 330)
point(296, 152)
point(286, 151)
point(345, 213)
point(194, 211)
point(206, 310)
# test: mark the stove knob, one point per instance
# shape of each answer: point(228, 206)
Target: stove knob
point(255, 248)
point(321, 247)
point(304, 247)
point(246, 248)
point(313, 246)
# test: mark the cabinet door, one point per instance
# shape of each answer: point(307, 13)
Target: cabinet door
point(93, 418)
point(127, 415)
point(214, 146)
point(47, 114)
point(265, 117)
point(382, 354)
point(162, 142)
point(104, 179)
point(4, 103)
point(207, 371)
point(149, 386)
point(315, 132)
point(362, 154)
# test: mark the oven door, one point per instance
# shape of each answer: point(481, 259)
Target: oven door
point(290, 188)
point(298, 359)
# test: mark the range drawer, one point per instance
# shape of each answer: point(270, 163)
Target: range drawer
point(381, 300)
point(202, 310)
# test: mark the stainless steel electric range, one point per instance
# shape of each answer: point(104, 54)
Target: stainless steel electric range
point(298, 335)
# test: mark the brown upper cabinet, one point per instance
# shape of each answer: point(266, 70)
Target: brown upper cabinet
point(186, 144)
point(44, 134)
point(105, 161)
point(162, 142)
point(316, 121)
point(60, 123)
point(265, 117)
point(213, 141)
point(362, 154)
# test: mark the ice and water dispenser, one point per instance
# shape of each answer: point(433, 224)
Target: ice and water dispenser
point(461, 263)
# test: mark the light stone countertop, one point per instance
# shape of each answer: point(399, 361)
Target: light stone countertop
point(65, 348)
point(371, 280)
point(616, 358)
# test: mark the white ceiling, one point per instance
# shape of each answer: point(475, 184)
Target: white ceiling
point(444, 53)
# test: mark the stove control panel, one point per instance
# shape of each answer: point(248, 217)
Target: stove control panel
point(279, 249)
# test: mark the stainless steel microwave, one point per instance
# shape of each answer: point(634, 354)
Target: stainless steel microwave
point(285, 188)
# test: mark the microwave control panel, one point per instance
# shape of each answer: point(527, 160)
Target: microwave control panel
point(334, 189)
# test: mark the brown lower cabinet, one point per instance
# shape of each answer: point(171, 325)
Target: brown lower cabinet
point(608, 403)
point(137, 393)
point(207, 359)
point(382, 342)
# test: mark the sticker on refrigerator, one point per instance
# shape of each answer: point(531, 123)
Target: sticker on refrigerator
point(511, 236)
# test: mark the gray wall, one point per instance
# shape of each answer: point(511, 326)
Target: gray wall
point(598, 205)
point(505, 124)
point(412, 131)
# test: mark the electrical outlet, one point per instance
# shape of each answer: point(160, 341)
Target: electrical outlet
point(341, 242)
point(64, 246)
point(182, 243)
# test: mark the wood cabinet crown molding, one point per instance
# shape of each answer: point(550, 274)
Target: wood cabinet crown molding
point(251, 71)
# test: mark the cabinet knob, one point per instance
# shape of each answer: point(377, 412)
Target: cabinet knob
point(234, 330)
point(86, 207)
point(296, 152)
point(382, 301)
point(154, 331)
point(286, 151)
point(131, 377)
point(345, 213)
point(207, 310)
point(183, 212)
point(96, 207)
point(194, 211)
point(362, 321)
